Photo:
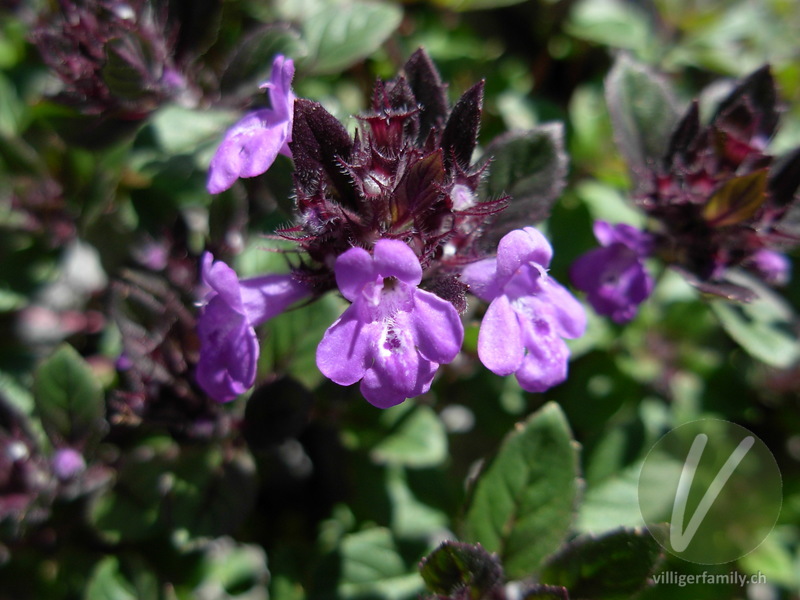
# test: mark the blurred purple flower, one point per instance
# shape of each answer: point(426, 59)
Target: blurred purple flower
point(529, 312)
point(394, 335)
point(614, 276)
point(773, 267)
point(228, 345)
point(67, 463)
point(251, 146)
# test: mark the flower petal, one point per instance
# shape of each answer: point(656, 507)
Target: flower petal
point(222, 280)
point(518, 247)
point(481, 277)
point(269, 295)
point(248, 149)
point(279, 86)
point(354, 269)
point(566, 313)
point(500, 343)
point(545, 363)
point(342, 355)
point(228, 351)
point(394, 258)
point(437, 327)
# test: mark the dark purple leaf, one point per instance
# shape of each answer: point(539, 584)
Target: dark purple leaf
point(784, 179)
point(461, 132)
point(685, 134)
point(429, 92)
point(758, 93)
point(319, 145)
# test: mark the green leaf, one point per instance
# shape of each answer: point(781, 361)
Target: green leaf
point(613, 566)
point(531, 168)
point(737, 199)
point(411, 518)
point(766, 327)
point(371, 566)
point(341, 34)
point(108, 583)
point(454, 567)
point(418, 441)
point(614, 502)
point(523, 502)
point(12, 109)
point(613, 23)
point(68, 397)
point(251, 63)
point(643, 112)
point(231, 570)
point(180, 130)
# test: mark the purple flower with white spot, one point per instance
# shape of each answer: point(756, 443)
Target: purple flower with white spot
point(614, 276)
point(226, 327)
point(394, 335)
point(529, 312)
point(252, 145)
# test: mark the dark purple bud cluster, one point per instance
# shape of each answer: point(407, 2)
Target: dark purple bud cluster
point(407, 175)
point(113, 57)
point(718, 198)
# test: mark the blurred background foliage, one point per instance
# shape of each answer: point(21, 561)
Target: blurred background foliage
point(303, 490)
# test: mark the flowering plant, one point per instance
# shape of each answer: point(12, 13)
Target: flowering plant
point(274, 329)
point(380, 215)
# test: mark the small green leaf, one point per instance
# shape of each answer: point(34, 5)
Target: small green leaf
point(180, 130)
point(737, 199)
point(108, 583)
point(523, 502)
point(343, 33)
point(371, 566)
point(531, 168)
point(455, 566)
point(643, 112)
point(240, 570)
point(411, 518)
point(613, 23)
point(419, 440)
point(613, 566)
point(12, 109)
point(766, 327)
point(68, 397)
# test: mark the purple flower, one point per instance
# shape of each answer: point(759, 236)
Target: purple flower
point(614, 276)
point(529, 312)
point(394, 335)
point(67, 463)
point(773, 267)
point(251, 146)
point(228, 345)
